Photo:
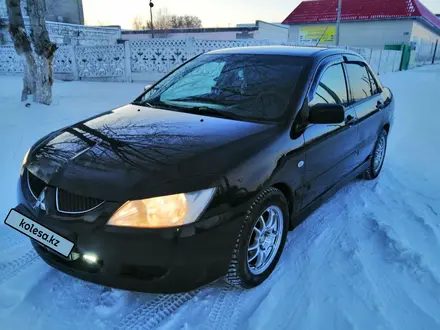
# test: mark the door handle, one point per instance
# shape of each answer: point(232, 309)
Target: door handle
point(350, 120)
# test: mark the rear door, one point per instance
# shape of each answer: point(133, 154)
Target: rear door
point(331, 149)
point(367, 100)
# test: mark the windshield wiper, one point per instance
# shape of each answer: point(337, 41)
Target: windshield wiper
point(202, 100)
point(202, 110)
point(155, 104)
point(212, 112)
point(143, 104)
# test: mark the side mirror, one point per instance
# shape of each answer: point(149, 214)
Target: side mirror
point(147, 87)
point(324, 113)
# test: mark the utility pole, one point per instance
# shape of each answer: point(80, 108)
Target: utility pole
point(151, 18)
point(338, 22)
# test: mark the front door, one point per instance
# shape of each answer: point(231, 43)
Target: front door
point(331, 149)
point(367, 98)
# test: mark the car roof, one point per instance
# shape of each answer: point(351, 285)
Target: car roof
point(315, 52)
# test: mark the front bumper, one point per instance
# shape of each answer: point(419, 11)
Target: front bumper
point(159, 261)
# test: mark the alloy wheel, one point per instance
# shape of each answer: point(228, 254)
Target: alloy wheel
point(265, 240)
point(379, 154)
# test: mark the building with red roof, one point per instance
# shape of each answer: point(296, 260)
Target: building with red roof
point(364, 23)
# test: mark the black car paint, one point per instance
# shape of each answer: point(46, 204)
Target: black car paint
point(151, 151)
point(136, 152)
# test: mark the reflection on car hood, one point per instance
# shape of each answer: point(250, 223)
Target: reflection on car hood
point(137, 152)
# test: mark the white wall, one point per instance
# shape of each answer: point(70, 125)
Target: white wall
point(293, 35)
point(187, 35)
point(424, 40)
point(266, 31)
point(272, 32)
point(3, 10)
point(75, 34)
point(419, 31)
point(376, 33)
point(151, 59)
point(71, 11)
point(368, 34)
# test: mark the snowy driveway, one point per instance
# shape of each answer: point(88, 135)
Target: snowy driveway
point(367, 259)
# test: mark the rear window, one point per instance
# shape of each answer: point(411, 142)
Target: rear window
point(251, 86)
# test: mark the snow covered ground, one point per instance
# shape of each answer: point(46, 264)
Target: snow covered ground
point(367, 259)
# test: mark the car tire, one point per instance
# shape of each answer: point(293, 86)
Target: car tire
point(377, 157)
point(255, 255)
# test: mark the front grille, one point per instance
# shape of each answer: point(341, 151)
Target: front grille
point(75, 204)
point(35, 185)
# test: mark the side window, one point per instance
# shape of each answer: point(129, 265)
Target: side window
point(331, 88)
point(360, 81)
point(374, 86)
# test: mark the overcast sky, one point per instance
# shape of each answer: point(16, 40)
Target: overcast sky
point(213, 13)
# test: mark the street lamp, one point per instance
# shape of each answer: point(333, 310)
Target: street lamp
point(338, 21)
point(151, 18)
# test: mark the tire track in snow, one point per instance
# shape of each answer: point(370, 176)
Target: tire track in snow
point(218, 302)
point(406, 260)
point(228, 311)
point(58, 286)
point(226, 308)
point(12, 268)
point(319, 230)
point(11, 240)
point(152, 313)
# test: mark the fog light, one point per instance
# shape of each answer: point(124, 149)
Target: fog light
point(74, 256)
point(90, 257)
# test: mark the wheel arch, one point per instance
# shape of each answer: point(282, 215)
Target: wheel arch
point(288, 193)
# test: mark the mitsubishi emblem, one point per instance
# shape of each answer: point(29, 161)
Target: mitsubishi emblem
point(40, 201)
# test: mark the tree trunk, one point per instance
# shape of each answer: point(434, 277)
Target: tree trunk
point(29, 86)
point(44, 50)
point(22, 46)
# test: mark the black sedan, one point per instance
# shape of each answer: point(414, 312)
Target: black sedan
point(203, 175)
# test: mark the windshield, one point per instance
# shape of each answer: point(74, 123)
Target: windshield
point(239, 86)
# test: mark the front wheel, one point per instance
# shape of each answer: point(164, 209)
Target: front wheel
point(260, 241)
point(378, 157)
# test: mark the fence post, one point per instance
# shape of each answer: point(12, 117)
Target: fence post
point(191, 47)
point(74, 66)
point(371, 55)
point(435, 51)
point(128, 61)
point(387, 61)
point(380, 59)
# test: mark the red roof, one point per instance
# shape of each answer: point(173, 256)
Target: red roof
point(316, 11)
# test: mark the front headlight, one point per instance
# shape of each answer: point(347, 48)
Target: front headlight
point(162, 212)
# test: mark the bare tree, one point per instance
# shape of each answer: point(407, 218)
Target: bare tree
point(2, 26)
point(44, 50)
point(185, 21)
point(138, 23)
point(38, 73)
point(161, 20)
point(164, 21)
point(22, 46)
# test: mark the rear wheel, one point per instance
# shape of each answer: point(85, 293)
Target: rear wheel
point(378, 157)
point(261, 240)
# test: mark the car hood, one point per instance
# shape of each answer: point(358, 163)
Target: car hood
point(138, 152)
